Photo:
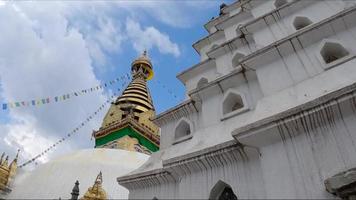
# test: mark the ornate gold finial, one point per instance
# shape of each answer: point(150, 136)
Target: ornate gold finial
point(96, 192)
point(7, 173)
point(17, 156)
point(2, 157)
point(142, 65)
point(13, 166)
point(6, 162)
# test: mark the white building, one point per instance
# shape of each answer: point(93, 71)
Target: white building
point(270, 110)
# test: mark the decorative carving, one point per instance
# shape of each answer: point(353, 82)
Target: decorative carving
point(7, 172)
point(96, 192)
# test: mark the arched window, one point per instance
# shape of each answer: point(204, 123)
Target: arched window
point(222, 191)
point(182, 129)
point(232, 102)
point(236, 59)
point(279, 3)
point(202, 82)
point(301, 22)
point(332, 51)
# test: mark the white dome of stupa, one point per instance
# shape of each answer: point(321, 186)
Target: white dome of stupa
point(55, 179)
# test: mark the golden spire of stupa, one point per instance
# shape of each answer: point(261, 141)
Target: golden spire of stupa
point(133, 109)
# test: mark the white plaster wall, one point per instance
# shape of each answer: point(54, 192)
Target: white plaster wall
point(223, 64)
point(207, 122)
point(295, 166)
point(244, 178)
point(168, 130)
point(203, 52)
point(263, 8)
point(276, 28)
point(234, 11)
point(209, 74)
point(230, 31)
point(304, 63)
point(307, 153)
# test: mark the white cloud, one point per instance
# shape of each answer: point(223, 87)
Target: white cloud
point(149, 37)
point(39, 57)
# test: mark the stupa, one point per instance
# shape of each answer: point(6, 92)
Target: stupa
point(123, 143)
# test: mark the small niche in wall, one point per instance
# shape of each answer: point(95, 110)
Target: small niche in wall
point(236, 59)
point(332, 51)
point(202, 82)
point(232, 102)
point(301, 22)
point(279, 3)
point(221, 190)
point(183, 131)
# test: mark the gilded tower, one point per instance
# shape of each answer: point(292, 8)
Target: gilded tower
point(7, 173)
point(127, 125)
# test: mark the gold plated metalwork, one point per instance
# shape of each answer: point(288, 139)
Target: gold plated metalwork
point(96, 192)
point(7, 172)
point(133, 108)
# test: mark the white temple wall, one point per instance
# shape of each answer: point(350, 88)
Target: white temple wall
point(244, 177)
point(209, 74)
point(212, 44)
point(275, 28)
point(210, 120)
point(306, 153)
point(223, 64)
point(168, 129)
point(303, 64)
point(230, 31)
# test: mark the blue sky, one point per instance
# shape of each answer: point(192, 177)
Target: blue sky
point(49, 48)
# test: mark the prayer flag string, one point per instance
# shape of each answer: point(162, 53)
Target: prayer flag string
point(169, 91)
point(59, 98)
point(80, 126)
